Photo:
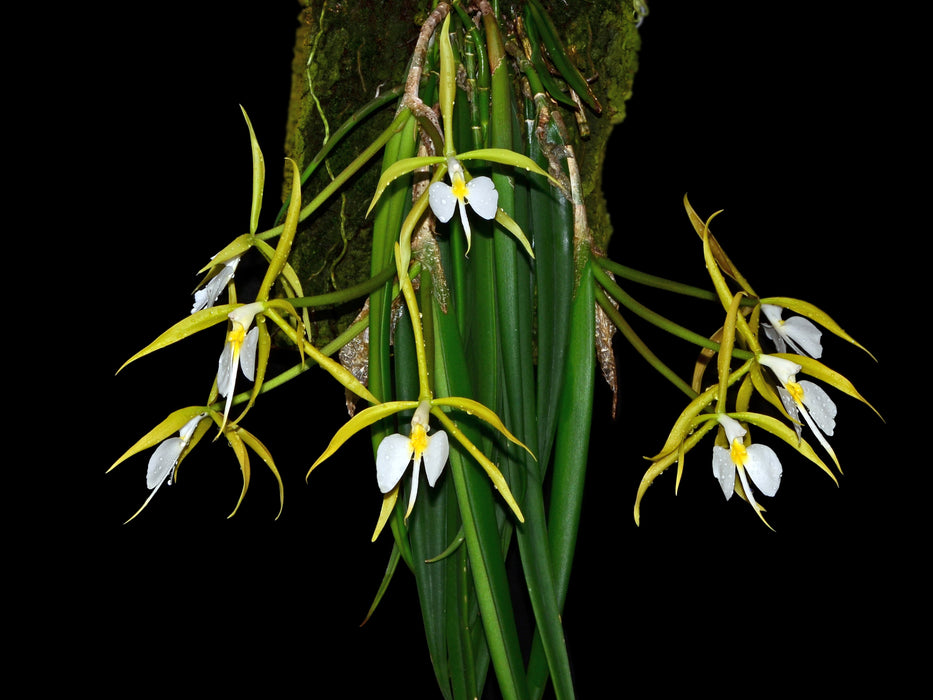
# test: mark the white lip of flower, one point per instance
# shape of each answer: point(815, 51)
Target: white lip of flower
point(480, 193)
point(206, 296)
point(396, 451)
point(798, 332)
point(804, 397)
point(758, 461)
point(163, 460)
point(240, 348)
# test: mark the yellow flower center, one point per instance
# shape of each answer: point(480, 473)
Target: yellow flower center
point(459, 187)
point(796, 391)
point(419, 440)
point(738, 453)
point(236, 335)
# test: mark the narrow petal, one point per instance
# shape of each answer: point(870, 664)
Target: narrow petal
point(392, 458)
point(819, 435)
point(163, 461)
point(821, 407)
point(442, 201)
point(483, 197)
point(248, 354)
point(435, 456)
point(746, 489)
point(466, 224)
point(764, 468)
point(413, 496)
point(724, 470)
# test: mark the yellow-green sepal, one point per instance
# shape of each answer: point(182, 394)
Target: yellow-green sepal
point(507, 157)
point(724, 361)
point(363, 419)
point(492, 471)
point(235, 248)
point(166, 429)
point(472, 407)
point(259, 175)
point(685, 422)
point(665, 460)
point(401, 167)
point(717, 253)
point(188, 326)
point(818, 370)
point(510, 225)
point(814, 313)
point(239, 439)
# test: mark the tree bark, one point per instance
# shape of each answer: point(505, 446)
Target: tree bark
point(347, 51)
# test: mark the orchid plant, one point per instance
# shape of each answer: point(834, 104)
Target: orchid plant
point(478, 341)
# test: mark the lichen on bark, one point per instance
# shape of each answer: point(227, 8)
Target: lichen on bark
point(346, 51)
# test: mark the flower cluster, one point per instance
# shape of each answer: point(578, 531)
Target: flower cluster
point(773, 375)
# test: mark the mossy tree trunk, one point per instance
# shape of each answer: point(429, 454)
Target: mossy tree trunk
point(347, 52)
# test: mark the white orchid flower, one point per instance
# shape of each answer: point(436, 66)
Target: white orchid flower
point(799, 333)
point(803, 397)
point(758, 462)
point(163, 460)
point(480, 193)
point(396, 451)
point(240, 349)
point(206, 296)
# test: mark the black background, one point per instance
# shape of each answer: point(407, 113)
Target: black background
point(771, 116)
